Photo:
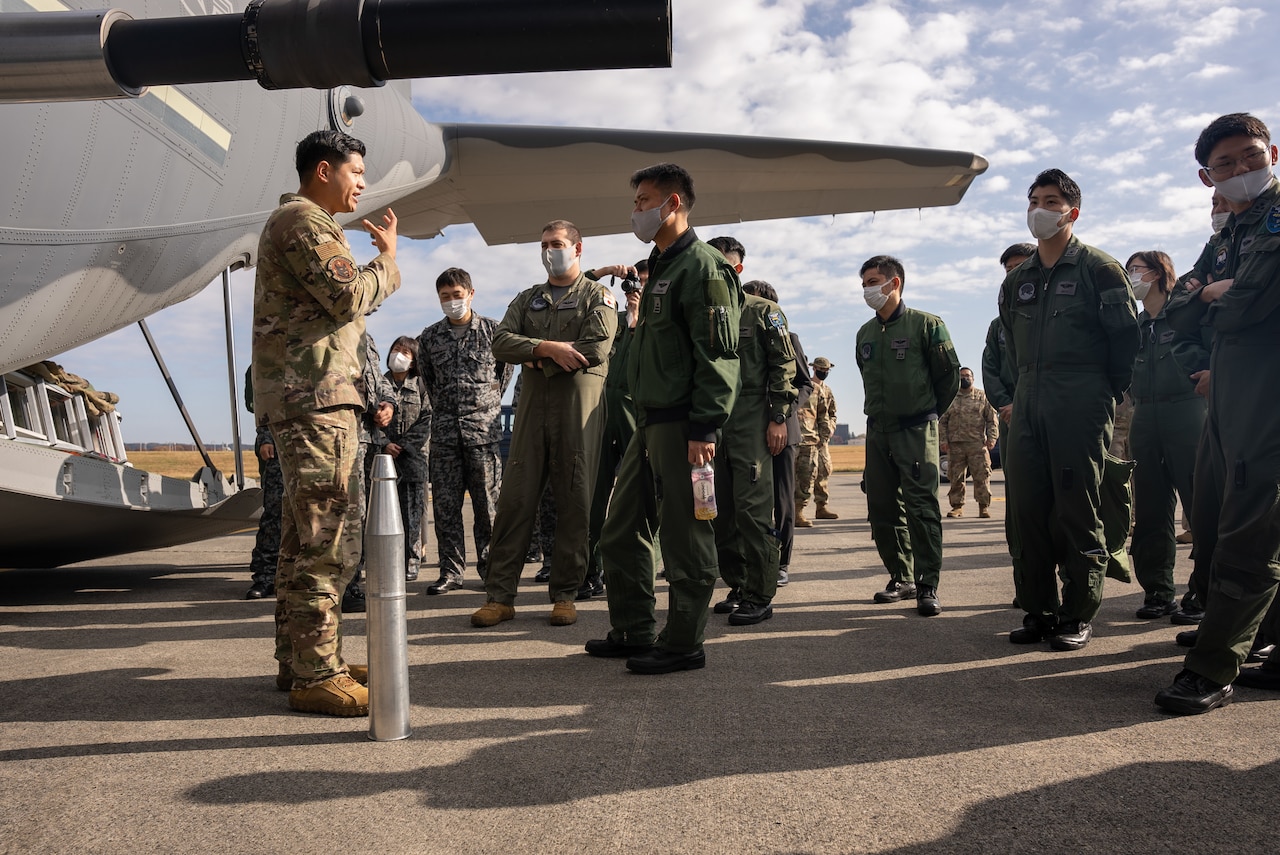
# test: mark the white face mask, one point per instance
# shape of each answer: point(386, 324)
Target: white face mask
point(1244, 188)
point(1044, 223)
point(645, 224)
point(1140, 288)
point(1220, 221)
point(456, 309)
point(398, 362)
point(874, 297)
point(558, 261)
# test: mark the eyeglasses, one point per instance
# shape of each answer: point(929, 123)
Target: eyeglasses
point(1138, 268)
point(1254, 160)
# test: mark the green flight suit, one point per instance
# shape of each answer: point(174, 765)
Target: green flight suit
point(746, 541)
point(1239, 464)
point(1168, 419)
point(619, 427)
point(683, 374)
point(1192, 353)
point(910, 375)
point(998, 378)
point(1071, 333)
point(557, 430)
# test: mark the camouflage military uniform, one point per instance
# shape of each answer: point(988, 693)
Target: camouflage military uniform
point(266, 546)
point(465, 384)
point(309, 303)
point(817, 424)
point(1120, 435)
point(966, 428)
point(410, 429)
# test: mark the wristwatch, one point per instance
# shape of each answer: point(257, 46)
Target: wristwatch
point(780, 418)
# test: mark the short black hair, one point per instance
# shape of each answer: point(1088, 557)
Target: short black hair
point(669, 178)
point(726, 244)
point(761, 289)
point(888, 266)
point(1057, 178)
point(1024, 250)
point(1230, 125)
point(642, 266)
point(454, 276)
point(333, 146)
point(409, 344)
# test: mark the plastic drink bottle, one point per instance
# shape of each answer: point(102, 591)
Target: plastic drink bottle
point(704, 492)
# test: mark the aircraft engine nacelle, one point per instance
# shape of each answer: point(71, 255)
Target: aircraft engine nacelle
point(322, 44)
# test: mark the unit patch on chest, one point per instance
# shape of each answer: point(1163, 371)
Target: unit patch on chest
point(538, 303)
point(661, 287)
point(1026, 292)
point(866, 352)
point(1067, 289)
point(1273, 220)
point(900, 347)
point(1220, 261)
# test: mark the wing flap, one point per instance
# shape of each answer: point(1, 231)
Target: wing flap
point(509, 180)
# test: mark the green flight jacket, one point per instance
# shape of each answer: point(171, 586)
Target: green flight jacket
point(309, 302)
point(586, 315)
point(1158, 373)
point(1076, 317)
point(766, 359)
point(1247, 250)
point(683, 362)
point(998, 374)
point(910, 371)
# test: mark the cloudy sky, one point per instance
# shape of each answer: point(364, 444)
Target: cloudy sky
point(1112, 91)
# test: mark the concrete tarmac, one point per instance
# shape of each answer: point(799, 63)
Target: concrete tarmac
point(140, 715)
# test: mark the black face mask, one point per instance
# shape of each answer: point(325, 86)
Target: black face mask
point(820, 374)
point(965, 384)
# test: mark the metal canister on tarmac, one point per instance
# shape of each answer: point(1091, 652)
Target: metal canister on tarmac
point(385, 590)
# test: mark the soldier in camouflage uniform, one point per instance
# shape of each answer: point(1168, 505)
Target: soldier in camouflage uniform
point(465, 384)
point(406, 441)
point(310, 299)
point(379, 406)
point(266, 546)
point(817, 424)
point(968, 431)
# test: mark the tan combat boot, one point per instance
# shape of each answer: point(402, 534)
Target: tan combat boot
point(801, 522)
point(284, 676)
point(339, 695)
point(492, 613)
point(955, 513)
point(984, 511)
point(563, 613)
point(823, 514)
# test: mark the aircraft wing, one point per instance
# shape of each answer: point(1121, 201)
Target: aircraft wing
point(508, 180)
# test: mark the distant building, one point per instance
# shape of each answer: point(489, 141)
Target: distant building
point(841, 436)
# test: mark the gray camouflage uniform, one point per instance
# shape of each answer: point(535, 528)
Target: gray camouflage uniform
point(465, 384)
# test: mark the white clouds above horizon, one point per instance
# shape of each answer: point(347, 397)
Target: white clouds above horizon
point(1114, 92)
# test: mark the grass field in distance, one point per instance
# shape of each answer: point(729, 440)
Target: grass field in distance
point(184, 464)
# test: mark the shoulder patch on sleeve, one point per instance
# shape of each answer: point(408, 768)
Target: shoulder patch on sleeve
point(341, 269)
point(775, 318)
point(607, 297)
